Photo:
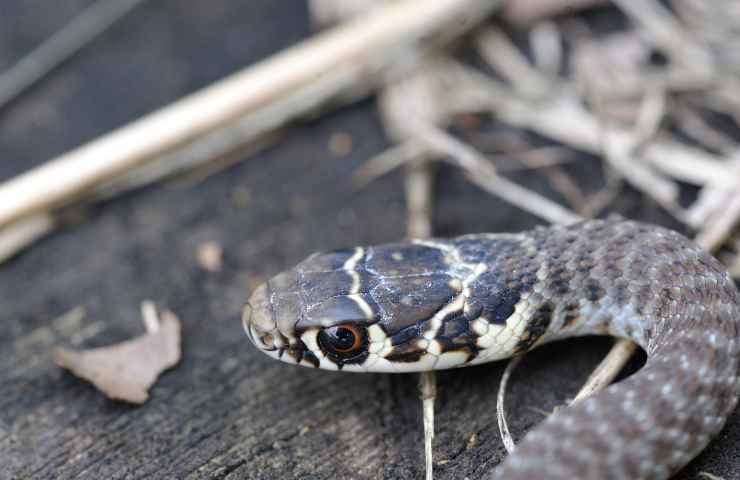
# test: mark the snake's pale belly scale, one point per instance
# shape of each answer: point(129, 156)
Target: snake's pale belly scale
point(433, 304)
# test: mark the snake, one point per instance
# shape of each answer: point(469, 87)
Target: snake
point(430, 304)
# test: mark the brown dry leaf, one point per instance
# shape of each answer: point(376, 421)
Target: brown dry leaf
point(125, 371)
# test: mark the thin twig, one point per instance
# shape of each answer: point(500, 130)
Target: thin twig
point(500, 53)
point(419, 193)
point(481, 172)
point(710, 201)
point(428, 387)
point(695, 126)
point(83, 29)
point(564, 119)
point(413, 97)
point(419, 183)
point(503, 427)
point(713, 235)
point(22, 233)
point(533, 159)
point(622, 156)
point(608, 369)
point(387, 161)
point(355, 53)
point(709, 476)
point(547, 48)
point(651, 114)
point(666, 32)
point(150, 316)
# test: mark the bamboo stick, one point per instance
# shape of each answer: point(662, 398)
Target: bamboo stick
point(372, 43)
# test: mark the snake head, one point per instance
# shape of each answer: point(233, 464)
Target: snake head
point(363, 309)
point(314, 314)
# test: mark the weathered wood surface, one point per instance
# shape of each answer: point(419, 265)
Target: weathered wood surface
point(228, 411)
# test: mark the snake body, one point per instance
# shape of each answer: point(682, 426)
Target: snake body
point(434, 304)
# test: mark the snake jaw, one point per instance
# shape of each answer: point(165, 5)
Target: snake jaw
point(258, 321)
point(261, 320)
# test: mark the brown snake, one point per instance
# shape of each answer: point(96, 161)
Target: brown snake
point(438, 304)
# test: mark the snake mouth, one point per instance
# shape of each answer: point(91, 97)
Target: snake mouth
point(272, 342)
point(263, 340)
point(246, 325)
point(258, 322)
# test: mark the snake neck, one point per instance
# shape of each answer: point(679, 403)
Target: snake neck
point(678, 303)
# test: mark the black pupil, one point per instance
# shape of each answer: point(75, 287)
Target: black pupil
point(341, 338)
point(343, 344)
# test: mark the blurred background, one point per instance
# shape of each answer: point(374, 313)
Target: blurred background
point(514, 117)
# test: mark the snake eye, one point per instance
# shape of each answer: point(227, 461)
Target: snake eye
point(343, 341)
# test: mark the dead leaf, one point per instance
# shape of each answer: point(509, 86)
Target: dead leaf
point(125, 371)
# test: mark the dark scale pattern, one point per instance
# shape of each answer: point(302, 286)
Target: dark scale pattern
point(536, 327)
point(457, 335)
point(510, 274)
point(404, 260)
point(411, 301)
point(681, 306)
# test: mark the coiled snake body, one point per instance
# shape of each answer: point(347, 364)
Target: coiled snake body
point(440, 304)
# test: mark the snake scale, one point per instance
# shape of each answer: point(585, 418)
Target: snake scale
point(435, 304)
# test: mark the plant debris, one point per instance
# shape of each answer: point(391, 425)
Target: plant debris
point(127, 370)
